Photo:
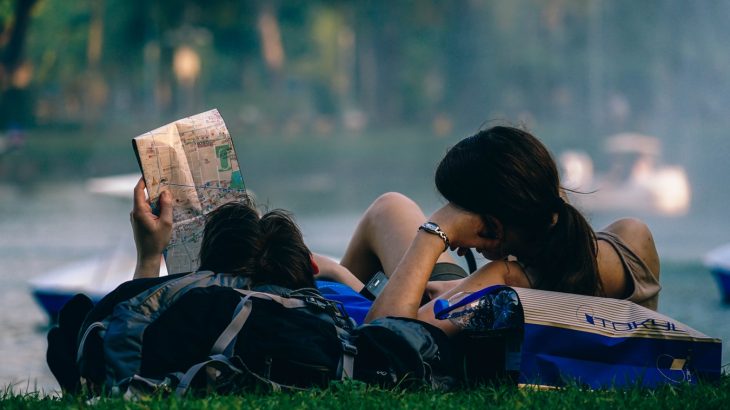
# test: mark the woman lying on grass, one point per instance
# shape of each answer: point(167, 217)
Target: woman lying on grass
point(505, 201)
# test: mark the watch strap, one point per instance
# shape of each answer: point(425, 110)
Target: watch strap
point(434, 229)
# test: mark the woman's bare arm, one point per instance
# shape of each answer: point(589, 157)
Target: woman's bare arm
point(404, 291)
point(402, 295)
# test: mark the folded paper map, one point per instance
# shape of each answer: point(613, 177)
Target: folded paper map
point(194, 159)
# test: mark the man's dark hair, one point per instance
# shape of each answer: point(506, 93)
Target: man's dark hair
point(270, 248)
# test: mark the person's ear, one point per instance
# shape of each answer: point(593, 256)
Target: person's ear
point(493, 228)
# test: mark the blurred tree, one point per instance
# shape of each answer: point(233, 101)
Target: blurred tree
point(586, 68)
point(15, 105)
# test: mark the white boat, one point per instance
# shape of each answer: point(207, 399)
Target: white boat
point(635, 182)
point(121, 186)
point(718, 261)
point(95, 276)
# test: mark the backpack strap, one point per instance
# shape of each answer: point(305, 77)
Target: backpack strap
point(215, 361)
point(226, 340)
point(284, 301)
point(347, 364)
point(84, 338)
point(223, 363)
point(136, 387)
point(224, 343)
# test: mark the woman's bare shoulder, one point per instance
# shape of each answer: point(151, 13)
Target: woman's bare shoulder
point(611, 271)
point(635, 234)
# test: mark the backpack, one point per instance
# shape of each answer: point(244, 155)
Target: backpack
point(205, 330)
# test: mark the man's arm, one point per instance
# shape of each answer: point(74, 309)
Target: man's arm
point(331, 270)
point(151, 232)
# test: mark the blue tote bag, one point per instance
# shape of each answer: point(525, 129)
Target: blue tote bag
point(601, 342)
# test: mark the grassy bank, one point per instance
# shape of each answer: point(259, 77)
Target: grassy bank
point(356, 396)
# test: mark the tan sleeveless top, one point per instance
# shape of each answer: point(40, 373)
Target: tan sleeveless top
point(641, 282)
point(646, 286)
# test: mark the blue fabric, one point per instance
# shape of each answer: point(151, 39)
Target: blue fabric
point(552, 356)
point(355, 304)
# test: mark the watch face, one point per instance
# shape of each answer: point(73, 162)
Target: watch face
point(431, 226)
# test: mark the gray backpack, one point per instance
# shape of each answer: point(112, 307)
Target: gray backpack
point(257, 342)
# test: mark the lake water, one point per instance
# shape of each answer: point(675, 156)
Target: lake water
point(47, 226)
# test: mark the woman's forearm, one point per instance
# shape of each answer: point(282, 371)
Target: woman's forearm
point(402, 295)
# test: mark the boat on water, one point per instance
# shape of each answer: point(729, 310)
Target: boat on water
point(119, 186)
point(94, 277)
point(718, 261)
point(98, 275)
point(636, 181)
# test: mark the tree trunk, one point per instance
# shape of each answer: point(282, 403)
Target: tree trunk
point(19, 113)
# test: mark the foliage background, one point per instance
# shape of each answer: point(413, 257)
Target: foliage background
point(586, 67)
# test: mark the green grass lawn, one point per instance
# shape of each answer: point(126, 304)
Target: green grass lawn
point(358, 396)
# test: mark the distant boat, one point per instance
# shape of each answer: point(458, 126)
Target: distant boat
point(121, 186)
point(718, 261)
point(636, 181)
point(95, 276)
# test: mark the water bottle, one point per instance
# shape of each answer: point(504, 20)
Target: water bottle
point(495, 307)
point(491, 321)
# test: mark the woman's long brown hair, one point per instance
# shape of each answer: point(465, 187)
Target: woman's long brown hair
point(508, 174)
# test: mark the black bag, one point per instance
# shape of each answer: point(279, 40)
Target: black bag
point(203, 330)
point(280, 346)
point(489, 357)
point(407, 353)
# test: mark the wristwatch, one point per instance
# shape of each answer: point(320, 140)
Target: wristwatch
point(434, 229)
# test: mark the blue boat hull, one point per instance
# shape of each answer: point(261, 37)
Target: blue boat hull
point(723, 281)
point(52, 301)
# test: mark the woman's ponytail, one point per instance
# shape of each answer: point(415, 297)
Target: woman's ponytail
point(566, 261)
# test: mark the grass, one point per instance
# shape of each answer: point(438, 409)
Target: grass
point(353, 395)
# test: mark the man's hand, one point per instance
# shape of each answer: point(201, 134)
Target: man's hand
point(151, 232)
